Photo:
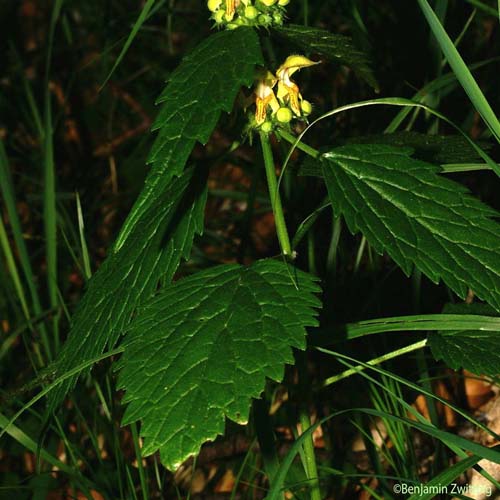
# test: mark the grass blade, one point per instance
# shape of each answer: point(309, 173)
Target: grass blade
point(49, 194)
point(375, 361)
point(81, 230)
point(444, 83)
point(419, 323)
point(450, 440)
point(12, 267)
point(461, 70)
point(28, 443)
point(7, 190)
point(135, 29)
point(50, 216)
point(482, 6)
point(59, 380)
point(347, 361)
point(446, 477)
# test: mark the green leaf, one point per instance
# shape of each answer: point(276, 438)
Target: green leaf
point(432, 148)
point(439, 149)
point(202, 348)
point(334, 47)
point(160, 229)
point(206, 83)
point(419, 218)
point(127, 277)
point(474, 350)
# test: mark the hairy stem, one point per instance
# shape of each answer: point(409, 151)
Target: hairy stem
point(281, 229)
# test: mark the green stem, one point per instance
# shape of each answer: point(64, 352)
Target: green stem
point(266, 439)
point(274, 194)
point(288, 137)
point(140, 466)
point(308, 457)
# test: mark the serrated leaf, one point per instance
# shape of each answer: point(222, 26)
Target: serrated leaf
point(437, 149)
point(202, 348)
point(160, 229)
point(419, 218)
point(474, 350)
point(432, 148)
point(206, 83)
point(334, 47)
point(154, 249)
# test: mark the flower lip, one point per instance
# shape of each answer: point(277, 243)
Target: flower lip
point(292, 64)
point(288, 91)
point(264, 96)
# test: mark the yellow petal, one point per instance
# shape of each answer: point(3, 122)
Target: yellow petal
point(273, 102)
point(289, 93)
point(282, 90)
point(260, 110)
point(230, 9)
point(293, 63)
point(261, 105)
point(294, 103)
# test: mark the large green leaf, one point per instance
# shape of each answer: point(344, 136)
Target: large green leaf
point(206, 83)
point(475, 350)
point(334, 47)
point(159, 231)
point(439, 149)
point(432, 148)
point(154, 249)
point(419, 218)
point(201, 349)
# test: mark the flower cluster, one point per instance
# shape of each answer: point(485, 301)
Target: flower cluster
point(286, 103)
point(234, 13)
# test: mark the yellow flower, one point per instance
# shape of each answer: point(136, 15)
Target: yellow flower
point(264, 97)
point(288, 91)
point(231, 8)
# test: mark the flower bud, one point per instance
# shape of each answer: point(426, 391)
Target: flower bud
point(284, 115)
point(219, 16)
point(306, 107)
point(265, 20)
point(267, 127)
point(268, 3)
point(251, 12)
point(213, 5)
point(283, 3)
point(278, 18)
